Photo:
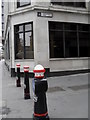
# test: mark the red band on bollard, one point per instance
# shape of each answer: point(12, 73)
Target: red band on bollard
point(39, 115)
point(18, 65)
point(39, 70)
point(39, 77)
point(26, 68)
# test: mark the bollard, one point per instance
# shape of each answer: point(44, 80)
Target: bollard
point(26, 83)
point(40, 87)
point(18, 82)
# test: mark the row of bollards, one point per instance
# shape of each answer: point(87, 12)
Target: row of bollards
point(26, 80)
point(40, 87)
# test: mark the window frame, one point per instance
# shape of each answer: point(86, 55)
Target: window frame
point(77, 38)
point(23, 24)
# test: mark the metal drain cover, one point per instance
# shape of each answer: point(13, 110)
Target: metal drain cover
point(55, 89)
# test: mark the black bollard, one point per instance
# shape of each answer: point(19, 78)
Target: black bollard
point(18, 81)
point(26, 83)
point(40, 87)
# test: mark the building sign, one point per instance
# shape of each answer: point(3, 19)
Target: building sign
point(44, 14)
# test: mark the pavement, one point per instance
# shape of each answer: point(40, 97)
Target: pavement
point(67, 96)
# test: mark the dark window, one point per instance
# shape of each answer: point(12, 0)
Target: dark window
point(54, 26)
point(68, 3)
point(24, 41)
point(56, 44)
point(69, 40)
point(72, 4)
point(71, 49)
point(84, 44)
point(21, 3)
point(70, 26)
point(80, 4)
point(83, 27)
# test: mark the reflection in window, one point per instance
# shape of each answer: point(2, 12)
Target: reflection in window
point(24, 42)
point(28, 27)
point(73, 40)
point(19, 46)
point(19, 29)
point(28, 45)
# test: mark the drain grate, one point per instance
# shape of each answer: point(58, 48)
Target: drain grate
point(79, 87)
point(55, 89)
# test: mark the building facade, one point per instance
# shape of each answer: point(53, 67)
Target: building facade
point(54, 34)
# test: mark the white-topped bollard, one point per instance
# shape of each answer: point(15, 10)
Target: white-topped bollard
point(18, 81)
point(40, 87)
point(26, 83)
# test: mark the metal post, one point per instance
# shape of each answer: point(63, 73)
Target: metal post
point(26, 83)
point(18, 82)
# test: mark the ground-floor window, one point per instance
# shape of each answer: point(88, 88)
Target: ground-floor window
point(23, 35)
point(69, 40)
point(7, 48)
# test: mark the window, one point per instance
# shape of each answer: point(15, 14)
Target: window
point(69, 40)
point(71, 44)
point(24, 41)
point(7, 48)
point(56, 40)
point(75, 3)
point(84, 40)
point(21, 3)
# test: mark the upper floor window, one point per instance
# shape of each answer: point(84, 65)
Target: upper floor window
point(22, 3)
point(74, 3)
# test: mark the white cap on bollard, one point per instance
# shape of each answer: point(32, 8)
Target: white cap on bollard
point(39, 71)
point(18, 65)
